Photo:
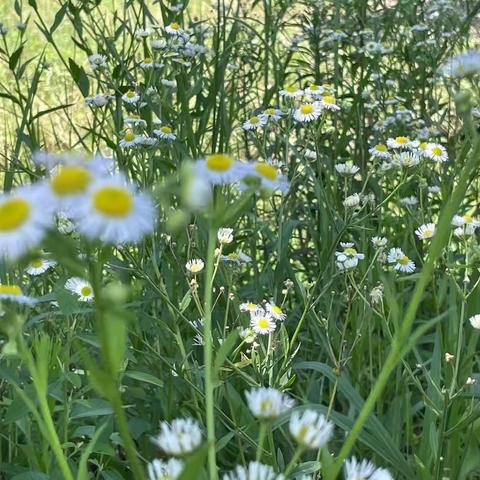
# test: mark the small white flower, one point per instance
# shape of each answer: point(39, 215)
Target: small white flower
point(180, 437)
point(379, 242)
point(348, 258)
point(225, 235)
point(143, 32)
point(436, 152)
point(328, 102)
point(401, 262)
point(131, 97)
point(165, 469)
point(347, 168)
point(267, 403)
point(409, 201)
point(307, 112)
point(376, 294)
point(14, 293)
point(291, 92)
point(195, 265)
point(475, 321)
point(425, 231)
point(380, 150)
point(82, 288)
point(460, 221)
point(406, 159)
point(37, 266)
point(165, 132)
point(253, 471)
point(275, 311)
point(269, 175)
point(315, 90)
point(254, 122)
point(271, 114)
point(462, 65)
point(399, 142)
point(364, 471)
point(249, 307)
point(97, 61)
point(310, 429)
point(236, 257)
point(352, 201)
point(174, 29)
point(220, 168)
point(262, 322)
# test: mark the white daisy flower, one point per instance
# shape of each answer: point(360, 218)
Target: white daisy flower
point(25, 214)
point(464, 231)
point(291, 92)
point(398, 142)
point(253, 471)
point(379, 242)
point(131, 97)
point(409, 201)
point(97, 61)
point(352, 201)
point(236, 257)
point(114, 212)
point(37, 266)
point(462, 65)
point(460, 221)
point(425, 231)
point(365, 470)
point(347, 168)
point(81, 288)
point(98, 100)
point(275, 311)
point(328, 102)
point(165, 132)
point(406, 159)
point(249, 307)
point(174, 29)
point(307, 112)
point(225, 235)
point(267, 403)
point(14, 293)
point(348, 258)
point(271, 114)
point(147, 63)
point(434, 189)
point(314, 90)
point(262, 322)
point(401, 262)
point(310, 429)
point(143, 32)
point(129, 139)
point(159, 44)
point(310, 154)
point(475, 321)
point(170, 469)
point(136, 120)
point(436, 152)
point(179, 437)
point(220, 168)
point(380, 150)
point(195, 265)
point(269, 176)
point(254, 122)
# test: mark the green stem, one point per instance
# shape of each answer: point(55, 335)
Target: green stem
point(208, 354)
point(261, 439)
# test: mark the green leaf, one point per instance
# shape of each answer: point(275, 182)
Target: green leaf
point(194, 465)
point(144, 377)
point(82, 465)
point(15, 57)
point(94, 407)
point(59, 17)
point(79, 76)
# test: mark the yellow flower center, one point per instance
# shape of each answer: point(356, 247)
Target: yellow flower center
point(166, 129)
point(401, 139)
point(468, 218)
point(291, 89)
point(381, 147)
point(266, 170)
point(147, 60)
point(113, 201)
point(263, 322)
point(70, 180)
point(130, 94)
point(196, 267)
point(265, 404)
point(37, 263)
point(302, 433)
point(437, 151)
point(423, 145)
point(270, 111)
point(233, 256)
point(404, 260)
point(427, 232)
point(13, 214)
point(10, 290)
point(85, 291)
point(250, 305)
point(254, 120)
point(175, 25)
point(129, 136)
point(328, 99)
point(350, 251)
point(277, 310)
point(306, 109)
point(313, 88)
point(219, 162)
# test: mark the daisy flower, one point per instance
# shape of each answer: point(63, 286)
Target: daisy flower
point(262, 322)
point(460, 221)
point(220, 168)
point(409, 201)
point(328, 102)
point(436, 152)
point(291, 92)
point(347, 168)
point(364, 470)
point(401, 262)
point(81, 288)
point(352, 201)
point(68, 184)
point(129, 139)
point(254, 122)
point(114, 212)
point(253, 471)
point(165, 133)
point(269, 176)
point(37, 266)
point(236, 257)
point(97, 61)
point(349, 257)
point(271, 114)
point(275, 311)
point(267, 403)
point(307, 112)
point(14, 293)
point(133, 119)
point(148, 63)
point(380, 151)
point(461, 65)
point(225, 235)
point(174, 29)
point(314, 90)
point(398, 142)
point(379, 242)
point(406, 159)
point(475, 321)
point(310, 429)
point(249, 307)
point(170, 469)
point(179, 437)
point(143, 32)
point(131, 97)
point(195, 265)
point(425, 231)
point(25, 214)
